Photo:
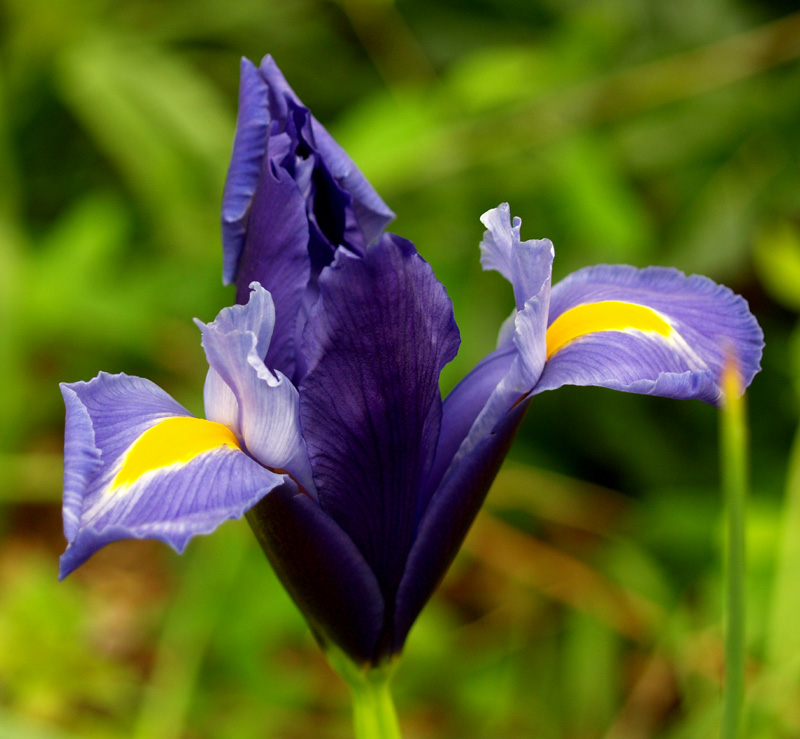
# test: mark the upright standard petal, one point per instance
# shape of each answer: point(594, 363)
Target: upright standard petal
point(528, 266)
point(653, 331)
point(267, 417)
point(372, 213)
point(292, 197)
point(249, 144)
point(370, 407)
point(137, 464)
point(275, 254)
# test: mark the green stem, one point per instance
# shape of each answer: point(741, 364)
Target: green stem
point(733, 456)
point(374, 715)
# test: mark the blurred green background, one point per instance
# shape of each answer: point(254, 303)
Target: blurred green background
point(587, 600)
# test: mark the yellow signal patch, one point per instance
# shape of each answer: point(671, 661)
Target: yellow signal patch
point(173, 440)
point(607, 315)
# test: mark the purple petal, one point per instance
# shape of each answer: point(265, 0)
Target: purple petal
point(268, 418)
point(252, 128)
point(292, 197)
point(322, 570)
point(528, 265)
point(280, 93)
point(703, 322)
point(370, 407)
point(372, 213)
point(462, 406)
point(331, 216)
point(447, 520)
point(255, 315)
point(219, 401)
point(258, 317)
point(478, 405)
point(276, 256)
point(111, 493)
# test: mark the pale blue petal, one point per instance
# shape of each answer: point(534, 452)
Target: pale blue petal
point(527, 265)
point(105, 418)
point(268, 416)
point(220, 402)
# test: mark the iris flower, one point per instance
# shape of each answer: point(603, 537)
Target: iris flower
point(324, 421)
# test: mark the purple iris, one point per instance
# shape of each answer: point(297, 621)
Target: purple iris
point(325, 422)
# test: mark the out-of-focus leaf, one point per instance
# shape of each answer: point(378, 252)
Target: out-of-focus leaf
point(88, 244)
point(716, 234)
point(700, 720)
point(670, 515)
point(783, 637)
point(598, 207)
point(590, 687)
point(136, 101)
point(40, 616)
point(493, 77)
point(777, 259)
point(30, 478)
point(9, 175)
point(641, 575)
point(395, 136)
point(12, 340)
point(19, 728)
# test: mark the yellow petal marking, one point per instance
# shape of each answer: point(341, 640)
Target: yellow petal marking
point(607, 315)
point(173, 440)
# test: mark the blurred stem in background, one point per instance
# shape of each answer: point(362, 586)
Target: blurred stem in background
point(733, 456)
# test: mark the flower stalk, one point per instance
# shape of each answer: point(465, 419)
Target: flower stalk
point(374, 714)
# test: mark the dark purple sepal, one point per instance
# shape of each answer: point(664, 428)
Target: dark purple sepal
point(321, 569)
point(370, 408)
point(447, 519)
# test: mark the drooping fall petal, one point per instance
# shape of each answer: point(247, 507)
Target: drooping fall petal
point(652, 330)
point(139, 465)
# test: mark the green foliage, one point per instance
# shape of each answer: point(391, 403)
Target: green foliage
point(587, 602)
